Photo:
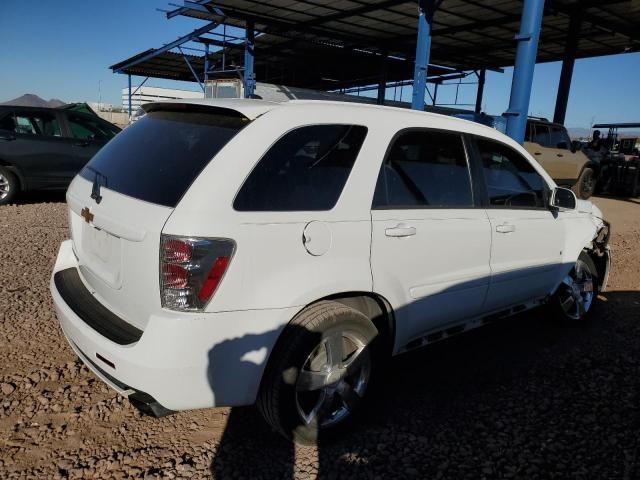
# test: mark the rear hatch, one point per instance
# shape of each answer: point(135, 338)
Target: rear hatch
point(120, 201)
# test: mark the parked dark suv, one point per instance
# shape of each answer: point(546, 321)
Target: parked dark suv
point(44, 148)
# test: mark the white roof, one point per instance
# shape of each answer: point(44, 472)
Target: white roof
point(253, 108)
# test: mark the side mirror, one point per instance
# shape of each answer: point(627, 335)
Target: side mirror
point(563, 199)
point(575, 146)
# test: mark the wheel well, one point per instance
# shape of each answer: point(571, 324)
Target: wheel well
point(375, 308)
point(13, 170)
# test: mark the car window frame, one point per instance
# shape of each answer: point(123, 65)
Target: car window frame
point(280, 137)
point(35, 111)
point(475, 200)
point(564, 134)
point(88, 117)
point(534, 129)
point(482, 184)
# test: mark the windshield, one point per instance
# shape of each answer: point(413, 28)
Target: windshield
point(158, 157)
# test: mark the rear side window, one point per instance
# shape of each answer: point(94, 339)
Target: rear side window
point(158, 157)
point(511, 180)
point(37, 123)
point(424, 168)
point(304, 170)
point(540, 134)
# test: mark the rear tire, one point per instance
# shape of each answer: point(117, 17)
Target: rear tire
point(9, 186)
point(586, 184)
point(576, 296)
point(319, 372)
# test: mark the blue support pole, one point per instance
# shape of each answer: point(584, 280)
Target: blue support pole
point(423, 48)
point(530, 25)
point(129, 96)
point(249, 75)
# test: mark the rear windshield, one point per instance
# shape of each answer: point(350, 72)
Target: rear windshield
point(158, 157)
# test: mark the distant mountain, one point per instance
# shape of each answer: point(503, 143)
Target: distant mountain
point(31, 100)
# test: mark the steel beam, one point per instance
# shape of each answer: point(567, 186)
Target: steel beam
point(382, 81)
point(480, 92)
point(568, 60)
point(249, 74)
point(129, 96)
point(167, 47)
point(193, 72)
point(423, 48)
point(206, 62)
point(527, 39)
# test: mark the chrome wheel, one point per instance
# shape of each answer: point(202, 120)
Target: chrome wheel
point(576, 291)
point(5, 187)
point(333, 379)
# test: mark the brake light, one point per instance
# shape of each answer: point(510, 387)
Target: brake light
point(191, 270)
point(213, 279)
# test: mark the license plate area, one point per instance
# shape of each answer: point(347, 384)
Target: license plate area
point(102, 255)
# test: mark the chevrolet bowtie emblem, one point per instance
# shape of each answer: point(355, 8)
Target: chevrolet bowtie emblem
point(87, 215)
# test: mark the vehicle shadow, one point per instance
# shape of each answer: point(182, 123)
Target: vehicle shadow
point(26, 198)
point(524, 397)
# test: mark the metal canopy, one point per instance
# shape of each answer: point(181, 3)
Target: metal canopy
point(335, 37)
point(349, 44)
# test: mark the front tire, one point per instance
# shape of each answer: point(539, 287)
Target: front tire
point(318, 373)
point(9, 186)
point(586, 184)
point(574, 299)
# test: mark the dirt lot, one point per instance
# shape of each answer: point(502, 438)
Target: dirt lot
point(525, 398)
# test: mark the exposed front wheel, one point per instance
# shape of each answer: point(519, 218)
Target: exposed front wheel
point(9, 186)
point(319, 372)
point(578, 291)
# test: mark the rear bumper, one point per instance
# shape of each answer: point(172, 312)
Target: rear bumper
point(182, 360)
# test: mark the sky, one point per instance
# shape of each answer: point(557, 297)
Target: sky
point(63, 49)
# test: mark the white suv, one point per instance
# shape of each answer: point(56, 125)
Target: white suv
point(237, 251)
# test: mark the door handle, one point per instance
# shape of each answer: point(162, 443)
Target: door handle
point(537, 153)
point(7, 138)
point(400, 231)
point(81, 144)
point(560, 155)
point(505, 228)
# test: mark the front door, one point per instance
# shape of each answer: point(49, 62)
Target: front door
point(527, 237)
point(38, 148)
point(430, 244)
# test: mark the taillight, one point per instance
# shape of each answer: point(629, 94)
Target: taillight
point(191, 270)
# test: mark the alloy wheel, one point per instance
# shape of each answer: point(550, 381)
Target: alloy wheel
point(5, 187)
point(333, 379)
point(576, 291)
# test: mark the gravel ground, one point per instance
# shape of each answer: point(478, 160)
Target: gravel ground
point(525, 398)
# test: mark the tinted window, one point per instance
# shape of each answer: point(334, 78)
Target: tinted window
point(158, 157)
point(306, 169)
point(7, 122)
point(540, 134)
point(37, 123)
point(86, 128)
point(424, 169)
point(558, 138)
point(511, 180)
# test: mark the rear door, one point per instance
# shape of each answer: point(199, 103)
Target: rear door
point(37, 148)
point(430, 241)
point(89, 134)
point(527, 237)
